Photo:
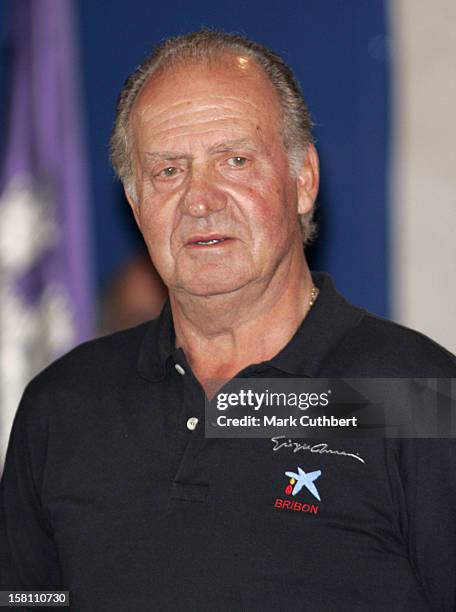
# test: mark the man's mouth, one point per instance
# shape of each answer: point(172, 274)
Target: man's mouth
point(207, 241)
point(213, 241)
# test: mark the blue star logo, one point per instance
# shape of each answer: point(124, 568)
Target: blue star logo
point(304, 479)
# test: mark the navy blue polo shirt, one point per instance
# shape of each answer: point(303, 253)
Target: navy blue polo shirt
point(111, 490)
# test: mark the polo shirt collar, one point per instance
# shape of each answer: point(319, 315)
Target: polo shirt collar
point(157, 346)
point(328, 321)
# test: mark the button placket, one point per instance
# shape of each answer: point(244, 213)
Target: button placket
point(191, 477)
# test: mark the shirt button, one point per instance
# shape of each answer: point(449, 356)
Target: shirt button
point(192, 423)
point(179, 368)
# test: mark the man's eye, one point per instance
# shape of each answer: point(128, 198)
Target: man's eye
point(168, 172)
point(238, 161)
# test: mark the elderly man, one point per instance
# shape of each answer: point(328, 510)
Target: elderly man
point(111, 489)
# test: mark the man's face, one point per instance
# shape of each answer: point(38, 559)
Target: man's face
point(215, 200)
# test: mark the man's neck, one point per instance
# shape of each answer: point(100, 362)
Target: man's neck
point(223, 334)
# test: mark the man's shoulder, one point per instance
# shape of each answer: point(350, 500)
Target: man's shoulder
point(382, 348)
point(92, 367)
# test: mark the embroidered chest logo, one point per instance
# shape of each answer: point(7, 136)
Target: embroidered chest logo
point(298, 481)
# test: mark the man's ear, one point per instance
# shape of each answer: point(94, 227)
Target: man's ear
point(308, 180)
point(134, 207)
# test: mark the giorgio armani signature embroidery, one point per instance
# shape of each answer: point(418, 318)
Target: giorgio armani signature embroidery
point(321, 448)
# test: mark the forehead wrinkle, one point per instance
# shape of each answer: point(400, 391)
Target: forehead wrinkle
point(206, 120)
point(187, 107)
point(197, 129)
point(175, 124)
point(201, 133)
point(200, 98)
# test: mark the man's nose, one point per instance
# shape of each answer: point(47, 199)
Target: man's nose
point(202, 197)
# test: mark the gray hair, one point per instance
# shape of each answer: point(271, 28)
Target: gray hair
point(203, 47)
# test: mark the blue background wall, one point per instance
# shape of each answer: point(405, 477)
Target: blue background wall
point(338, 49)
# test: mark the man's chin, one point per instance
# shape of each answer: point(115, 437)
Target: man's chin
point(207, 288)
